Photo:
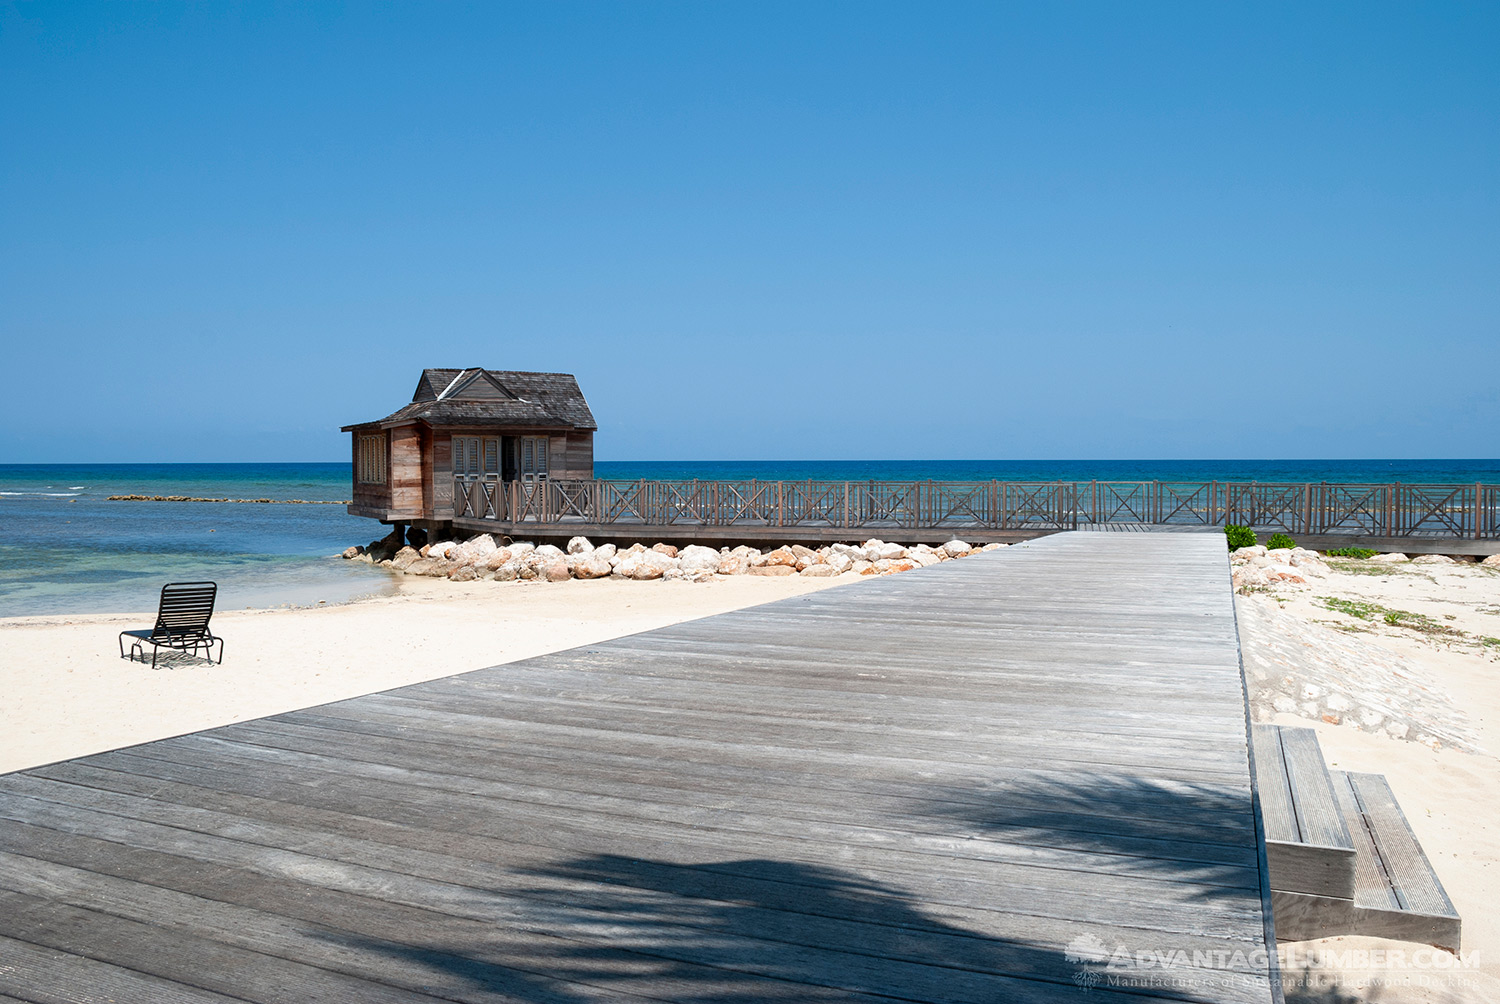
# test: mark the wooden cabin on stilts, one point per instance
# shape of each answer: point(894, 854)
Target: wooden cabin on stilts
point(469, 430)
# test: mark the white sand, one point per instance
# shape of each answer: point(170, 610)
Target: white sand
point(1451, 798)
point(67, 692)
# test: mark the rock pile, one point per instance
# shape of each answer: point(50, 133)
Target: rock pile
point(1258, 568)
point(483, 557)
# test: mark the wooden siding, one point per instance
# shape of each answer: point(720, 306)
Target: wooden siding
point(441, 484)
point(406, 470)
point(365, 496)
point(577, 457)
point(929, 787)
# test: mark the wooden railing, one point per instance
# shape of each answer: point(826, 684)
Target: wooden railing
point(1354, 510)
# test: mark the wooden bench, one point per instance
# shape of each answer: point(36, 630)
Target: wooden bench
point(1342, 858)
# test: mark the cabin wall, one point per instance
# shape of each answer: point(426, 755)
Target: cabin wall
point(406, 471)
point(575, 456)
point(374, 497)
point(441, 481)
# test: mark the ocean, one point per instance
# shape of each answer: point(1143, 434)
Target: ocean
point(66, 549)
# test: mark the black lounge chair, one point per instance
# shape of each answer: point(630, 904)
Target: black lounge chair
point(181, 623)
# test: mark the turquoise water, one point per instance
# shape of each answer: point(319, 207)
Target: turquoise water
point(65, 549)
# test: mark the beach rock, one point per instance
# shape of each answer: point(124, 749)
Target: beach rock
point(1493, 561)
point(779, 557)
point(864, 568)
point(578, 545)
point(606, 551)
point(1433, 559)
point(821, 570)
point(668, 549)
point(732, 564)
point(439, 550)
point(422, 566)
point(591, 566)
point(925, 556)
point(956, 548)
point(773, 569)
point(405, 557)
point(801, 551)
point(1280, 555)
point(643, 565)
point(993, 547)
point(507, 572)
point(680, 574)
point(353, 552)
point(840, 563)
point(1309, 562)
point(885, 552)
point(463, 573)
point(499, 556)
point(547, 552)
point(635, 548)
point(1283, 573)
point(695, 558)
point(1394, 558)
point(850, 551)
point(554, 570)
point(416, 537)
point(1253, 551)
point(888, 566)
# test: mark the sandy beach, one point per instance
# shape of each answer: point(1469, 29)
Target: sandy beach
point(69, 694)
point(1435, 669)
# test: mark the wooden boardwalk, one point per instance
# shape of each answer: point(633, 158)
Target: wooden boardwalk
point(965, 783)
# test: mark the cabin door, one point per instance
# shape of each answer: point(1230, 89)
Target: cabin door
point(531, 459)
point(476, 474)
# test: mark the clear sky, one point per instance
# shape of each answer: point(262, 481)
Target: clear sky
point(756, 231)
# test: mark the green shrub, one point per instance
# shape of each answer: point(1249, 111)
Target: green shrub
point(1239, 536)
point(1351, 552)
point(1279, 540)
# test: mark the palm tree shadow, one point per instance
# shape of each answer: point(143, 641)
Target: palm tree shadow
point(1047, 890)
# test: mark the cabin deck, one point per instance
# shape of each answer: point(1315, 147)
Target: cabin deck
point(965, 783)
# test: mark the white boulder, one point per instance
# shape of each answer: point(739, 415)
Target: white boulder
point(578, 545)
point(591, 565)
point(956, 548)
point(694, 558)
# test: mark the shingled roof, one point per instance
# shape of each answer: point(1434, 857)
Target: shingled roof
point(496, 397)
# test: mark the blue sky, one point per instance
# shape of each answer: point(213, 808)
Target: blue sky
point(757, 230)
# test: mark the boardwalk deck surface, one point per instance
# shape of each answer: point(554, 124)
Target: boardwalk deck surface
point(997, 779)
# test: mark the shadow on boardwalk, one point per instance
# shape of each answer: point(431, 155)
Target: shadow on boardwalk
point(755, 929)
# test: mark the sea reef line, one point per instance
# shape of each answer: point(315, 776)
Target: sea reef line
point(190, 498)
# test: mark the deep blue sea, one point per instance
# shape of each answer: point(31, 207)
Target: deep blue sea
point(65, 549)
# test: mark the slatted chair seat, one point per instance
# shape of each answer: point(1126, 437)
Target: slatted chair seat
point(181, 623)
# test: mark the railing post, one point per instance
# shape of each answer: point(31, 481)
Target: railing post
point(1307, 508)
point(1478, 509)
